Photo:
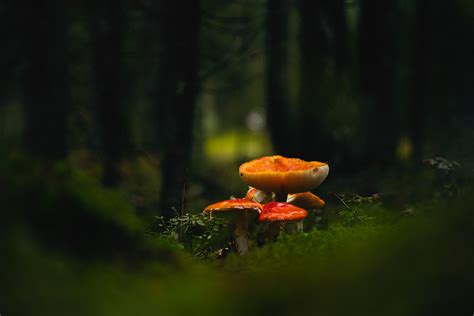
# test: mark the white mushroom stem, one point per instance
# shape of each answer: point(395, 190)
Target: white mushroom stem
point(241, 233)
point(294, 227)
point(299, 226)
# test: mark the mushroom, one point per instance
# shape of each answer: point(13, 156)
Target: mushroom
point(283, 175)
point(278, 213)
point(257, 195)
point(240, 208)
point(306, 200)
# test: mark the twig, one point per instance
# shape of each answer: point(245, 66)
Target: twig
point(343, 202)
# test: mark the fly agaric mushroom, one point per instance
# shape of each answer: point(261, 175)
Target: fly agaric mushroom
point(278, 213)
point(256, 195)
point(240, 208)
point(306, 200)
point(283, 175)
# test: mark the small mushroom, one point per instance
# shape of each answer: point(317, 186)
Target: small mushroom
point(306, 200)
point(240, 207)
point(278, 213)
point(256, 195)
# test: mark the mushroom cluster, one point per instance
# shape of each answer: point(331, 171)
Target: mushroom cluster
point(278, 193)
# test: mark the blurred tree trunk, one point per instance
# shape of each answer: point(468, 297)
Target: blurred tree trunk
point(277, 85)
point(108, 25)
point(179, 24)
point(420, 71)
point(314, 51)
point(442, 68)
point(338, 24)
point(11, 52)
point(47, 95)
point(378, 55)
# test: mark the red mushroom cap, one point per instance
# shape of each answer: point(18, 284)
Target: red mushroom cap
point(233, 205)
point(281, 211)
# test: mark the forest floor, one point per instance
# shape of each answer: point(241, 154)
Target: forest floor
point(407, 262)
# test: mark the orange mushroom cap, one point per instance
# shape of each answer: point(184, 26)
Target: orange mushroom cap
point(306, 200)
point(283, 175)
point(281, 211)
point(233, 205)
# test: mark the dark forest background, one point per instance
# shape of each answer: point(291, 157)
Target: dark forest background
point(128, 110)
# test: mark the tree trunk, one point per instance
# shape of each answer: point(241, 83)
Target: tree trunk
point(378, 63)
point(420, 72)
point(339, 47)
point(179, 24)
point(47, 95)
point(108, 26)
point(276, 89)
point(314, 51)
point(12, 51)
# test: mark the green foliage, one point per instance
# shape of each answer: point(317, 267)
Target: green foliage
point(351, 214)
point(194, 231)
point(447, 175)
point(227, 146)
point(295, 248)
point(70, 212)
point(35, 278)
point(433, 180)
point(142, 183)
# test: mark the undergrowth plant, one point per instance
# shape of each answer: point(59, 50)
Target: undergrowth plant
point(352, 213)
point(448, 175)
point(193, 231)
